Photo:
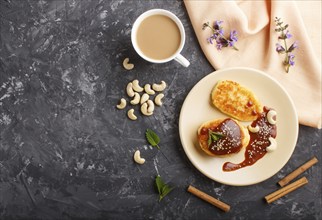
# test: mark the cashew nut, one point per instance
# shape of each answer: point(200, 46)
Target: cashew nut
point(122, 104)
point(150, 106)
point(144, 109)
point(271, 117)
point(136, 86)
point(136, 99)
point(148, 89)
point(272, 146)
point(157, 99)
point(159, 87)
point(131, 115)
point(145, 97)
point(127, 65)
point(253, 129)
point(137, 157)
point(129, 90)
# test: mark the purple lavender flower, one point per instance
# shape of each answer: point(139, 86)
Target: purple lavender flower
point(221, 32)
point(219, 46)
point(209, 39)
point(215, 35)
point(291, 59)
point(288, 35)
point(293, 46)
point(284, 35)
point(220, 43)
point(218, 36)
point(280, 48)
point(233, 36)
point(231, 43)
point(217, 25)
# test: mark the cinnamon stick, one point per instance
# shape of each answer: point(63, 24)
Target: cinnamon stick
point(297, 172)
point(209, 199)
point(285, 190)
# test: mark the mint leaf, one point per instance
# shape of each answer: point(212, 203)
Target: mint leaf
point(152, 138)
point(214, 136)
point(163, 188)
point(159, 183)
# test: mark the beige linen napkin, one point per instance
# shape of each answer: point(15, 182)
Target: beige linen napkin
point(254, 22)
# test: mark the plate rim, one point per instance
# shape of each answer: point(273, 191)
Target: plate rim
point(250, 70)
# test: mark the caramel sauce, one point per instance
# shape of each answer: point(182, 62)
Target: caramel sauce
point(259, 141)
point(229, 143)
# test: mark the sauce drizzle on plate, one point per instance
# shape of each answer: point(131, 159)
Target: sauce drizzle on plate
point(258, 142)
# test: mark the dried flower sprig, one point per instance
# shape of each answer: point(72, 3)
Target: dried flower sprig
point(284, 35)
point(218, 36)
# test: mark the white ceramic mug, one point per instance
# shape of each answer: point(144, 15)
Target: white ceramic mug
point(176, 56)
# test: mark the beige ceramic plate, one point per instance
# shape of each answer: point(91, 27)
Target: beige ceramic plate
point(196, 109)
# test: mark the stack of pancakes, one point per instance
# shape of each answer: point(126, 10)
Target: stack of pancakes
point(231, 136)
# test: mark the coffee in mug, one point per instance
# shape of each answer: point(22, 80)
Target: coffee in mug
point(158, 36)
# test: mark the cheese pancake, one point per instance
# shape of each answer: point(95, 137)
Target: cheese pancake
point(222, 137)
point(235, 100)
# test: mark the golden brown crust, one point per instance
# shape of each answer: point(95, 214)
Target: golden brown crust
point(203, 137)
point(235, 100)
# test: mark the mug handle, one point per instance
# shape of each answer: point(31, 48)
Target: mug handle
point(182, 60)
